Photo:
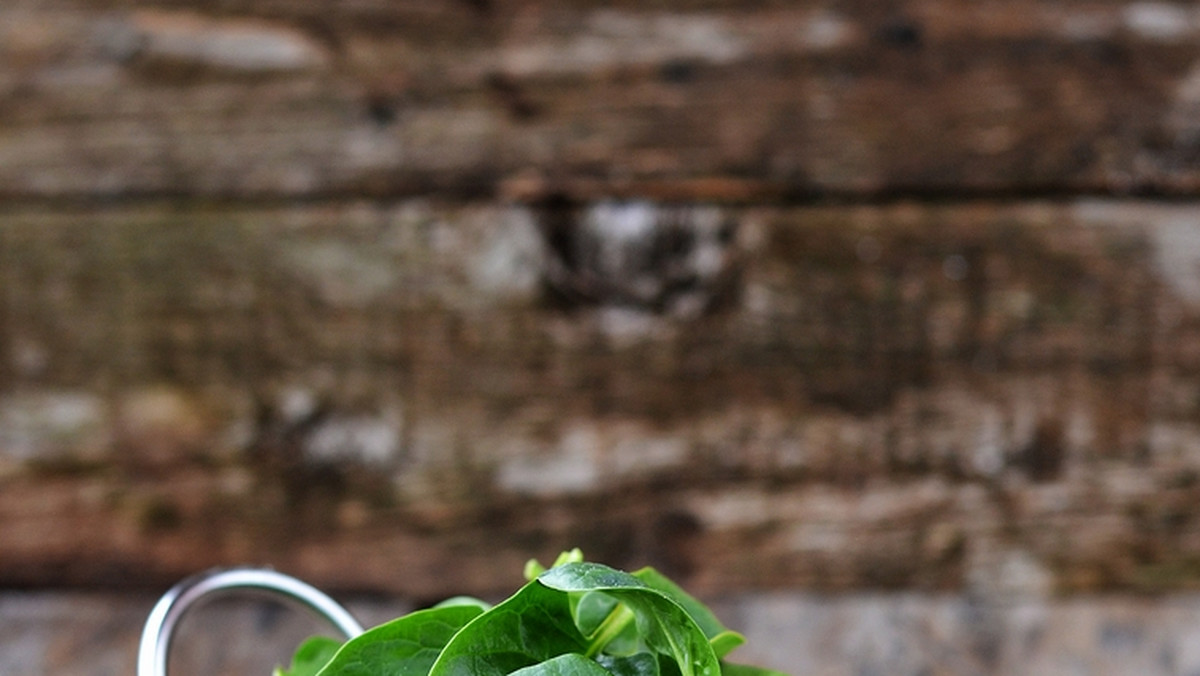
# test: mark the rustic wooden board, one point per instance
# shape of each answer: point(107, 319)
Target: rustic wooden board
point(702, 100)
point(416, 396)
point(856, 296)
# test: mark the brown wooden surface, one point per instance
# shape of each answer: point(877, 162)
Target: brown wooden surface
point(785, 100)
point(409, 397)
point(395, 295)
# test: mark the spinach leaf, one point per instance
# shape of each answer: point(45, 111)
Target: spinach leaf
point(723, 640)
point(530, 627)
point(571, 664)
point(312, 654)
point(745, 670)
point(607, 624)
point(573, 619)
point(724, 643)
point(407, 646)
point(464, 601)
point(662, 624)
point(533, 567)
point(704, 617)
point(641, 664)
point(591, 609)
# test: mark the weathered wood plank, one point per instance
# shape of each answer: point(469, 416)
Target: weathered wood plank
point(830, 397)
point(252, 99)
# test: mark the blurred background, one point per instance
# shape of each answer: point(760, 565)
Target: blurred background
point(874, 323)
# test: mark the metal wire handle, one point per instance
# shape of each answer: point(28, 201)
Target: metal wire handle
point(160, 625)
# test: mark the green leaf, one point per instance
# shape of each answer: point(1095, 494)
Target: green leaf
point(574, 619)
point(728, 669)
point(724, 642)
point(312, 654)
point(662, 624)
point(407, 646)
point(530, 627)
point(641, 664)
point(585, 577)
point(571, 556)
point(571, 664)
point(464, 601)
point(699, 612)
point(591, 609)
point(533, 567)
point(606, 623)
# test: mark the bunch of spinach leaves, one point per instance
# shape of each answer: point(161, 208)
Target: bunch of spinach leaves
point(573, 619)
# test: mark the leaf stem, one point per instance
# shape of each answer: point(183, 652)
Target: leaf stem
point(613, 625)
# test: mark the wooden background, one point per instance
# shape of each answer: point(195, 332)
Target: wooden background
point(395, 294)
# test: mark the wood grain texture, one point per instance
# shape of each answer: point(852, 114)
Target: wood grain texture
point(769, 294)
point(415, 397)
point(788, 100)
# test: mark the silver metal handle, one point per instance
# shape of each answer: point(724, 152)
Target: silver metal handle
point(160, 625)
